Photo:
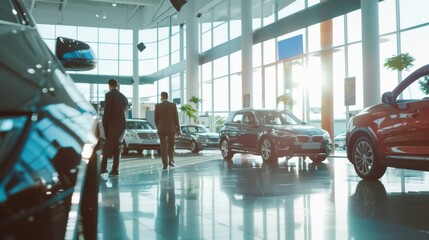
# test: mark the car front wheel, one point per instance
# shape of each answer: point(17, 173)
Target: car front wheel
point(225, 150)
point(268, 150)
point(194, 147)
point(365, 160)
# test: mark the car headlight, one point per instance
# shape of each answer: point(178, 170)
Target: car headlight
point(202, 139)
point(131, 134)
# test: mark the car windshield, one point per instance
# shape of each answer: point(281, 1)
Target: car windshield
point(278, 118)
point(197, 129)
point(139, 125)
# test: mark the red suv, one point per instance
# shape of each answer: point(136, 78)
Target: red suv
point(394, 133)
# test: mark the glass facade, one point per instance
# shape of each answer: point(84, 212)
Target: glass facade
point(402, 25)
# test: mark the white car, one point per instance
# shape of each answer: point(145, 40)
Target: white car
point(340, 141)
point(140, 135)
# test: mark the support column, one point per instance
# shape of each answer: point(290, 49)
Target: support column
point(192, 56)
point(136, 79)
point(327, 105)
point(370, 53)
point(246, 53)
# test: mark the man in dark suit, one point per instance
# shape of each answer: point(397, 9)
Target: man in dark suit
point(114, 123)
point(167, 123)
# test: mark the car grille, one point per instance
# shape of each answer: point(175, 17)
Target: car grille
point(214, 139)
point(303, 138)
point(306, 139)
point(317, 138)
point(148, 135)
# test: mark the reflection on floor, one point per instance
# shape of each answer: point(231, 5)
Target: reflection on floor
point(205, 197)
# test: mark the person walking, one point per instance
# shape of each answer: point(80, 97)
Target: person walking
point(114, 123)
point(167, 123)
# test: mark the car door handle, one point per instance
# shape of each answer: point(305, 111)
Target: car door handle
point(415, 114)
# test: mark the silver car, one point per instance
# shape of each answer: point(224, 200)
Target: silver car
point(196, 138)
point(140, 135)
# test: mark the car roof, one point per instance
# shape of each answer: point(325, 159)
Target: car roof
point(136, 120)
point(260, 110)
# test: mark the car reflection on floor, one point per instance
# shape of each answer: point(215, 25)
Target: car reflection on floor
point(248, 178)
point(394, 212)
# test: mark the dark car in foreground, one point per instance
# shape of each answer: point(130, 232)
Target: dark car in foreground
point(48, 133)
point(394, 133)
point(196, 138)
point(272, 134)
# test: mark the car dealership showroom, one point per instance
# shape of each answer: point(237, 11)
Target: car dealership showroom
point(299, 119)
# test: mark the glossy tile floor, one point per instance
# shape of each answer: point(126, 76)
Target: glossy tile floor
point(205, 197)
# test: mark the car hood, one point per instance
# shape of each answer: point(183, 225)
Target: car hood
point(299, 129)
point(143, 130)
point(209, 135)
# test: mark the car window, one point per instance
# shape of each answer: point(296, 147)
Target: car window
point(202, 129)
point(249, 118)
point(289, 119)
point(238, 118)
point(146, 125)
point(192, 129)
point(139, 125)
point(418, 90)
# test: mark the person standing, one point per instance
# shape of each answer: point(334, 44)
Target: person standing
point(167, 123)
point(114, 123)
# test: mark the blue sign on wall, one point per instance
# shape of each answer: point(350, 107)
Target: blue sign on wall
point(291, 47)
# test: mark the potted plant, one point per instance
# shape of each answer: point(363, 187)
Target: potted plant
point(403, 61)
point(286, 99)
point(189, 111)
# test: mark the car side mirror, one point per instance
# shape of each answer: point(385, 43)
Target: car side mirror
point(75, 55)
point(386, 97)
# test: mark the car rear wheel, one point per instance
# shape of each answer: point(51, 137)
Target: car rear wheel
point(365, 160)
point(317, 159)
point(225, 150)
point(268, 150)
point(194, 147)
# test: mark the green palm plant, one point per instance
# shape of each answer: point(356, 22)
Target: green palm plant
point(190, 112)
point(196, 100)
point(403, 61)
point(286, 99)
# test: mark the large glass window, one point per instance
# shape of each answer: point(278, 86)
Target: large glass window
point(387, 16)
point(220, 23)
point(270, 80)
point(206, 31)
point(268, 7)
point(413, 12)
point(206, 90)
point(354, 24)
point(287, 8)
point(219, 86)
point(415, 42)
point(236, 92)
point(220, 67)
